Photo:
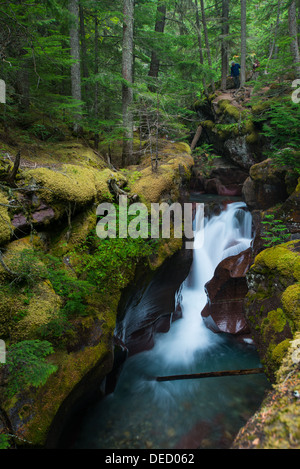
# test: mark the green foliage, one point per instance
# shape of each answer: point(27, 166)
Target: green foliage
point(205, 158)
point(27, 267)
point(73, 290)
point(281, 125)
point(112, 263)
point(275, 232)
point(59, 331)
point(4, 441)
point(26, 365)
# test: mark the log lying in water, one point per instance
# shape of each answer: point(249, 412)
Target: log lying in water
point(211, 374)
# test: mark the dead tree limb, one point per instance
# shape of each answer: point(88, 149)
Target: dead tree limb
point(211, 374)
point(13, 173)
point(196, 138)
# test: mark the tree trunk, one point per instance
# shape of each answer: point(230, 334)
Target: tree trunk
point(200, 45)
point(127, 73)
point(159, 28)
point(75, 54)
point(243, 40)
point(224, 45)
point(273, 46)
point(96, 70)
point(206, 41)
point(85, 70)
point(23, 87)
point(293, 35)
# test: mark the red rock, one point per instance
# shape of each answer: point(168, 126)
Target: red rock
point(226, 291)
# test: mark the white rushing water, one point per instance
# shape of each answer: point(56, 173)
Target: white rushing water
point(225, 235)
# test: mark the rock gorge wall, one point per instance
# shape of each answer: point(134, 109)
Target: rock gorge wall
point(257, 294)
point(52, 210)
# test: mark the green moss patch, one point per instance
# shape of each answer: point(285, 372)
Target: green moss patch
point(6, 228)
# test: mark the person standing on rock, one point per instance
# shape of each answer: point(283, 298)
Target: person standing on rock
point(235, 73)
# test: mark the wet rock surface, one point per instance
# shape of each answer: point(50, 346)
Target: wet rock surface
point(226, 292)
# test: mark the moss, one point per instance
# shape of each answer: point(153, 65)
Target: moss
point(291, 302)
point(12, 307)
point(153, 187)
point(73, 183)
point(226, 107)
point(43, 306)
point(12, 253)
point(274, 322)
point(74, 235)
point(252, 138)
point(279, 352)
point(6, 228)
point(208, 124)
point(166, 249)
point(282, 258)
point(260, 107)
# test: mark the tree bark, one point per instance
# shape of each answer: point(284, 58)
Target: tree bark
point(243, 40)
point(206, 41)
point(159, 28)
point(196, 137)
point(224, 45)
point(127, 73)
point(294, 37)
point(23, 87)
point(75, 54)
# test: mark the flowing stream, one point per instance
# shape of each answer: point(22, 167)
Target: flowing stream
point(185, 414)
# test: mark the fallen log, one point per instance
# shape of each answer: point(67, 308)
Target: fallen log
point(196, 137)
point(211, 374)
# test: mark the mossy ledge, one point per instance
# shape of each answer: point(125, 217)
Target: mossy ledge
point(83, 353)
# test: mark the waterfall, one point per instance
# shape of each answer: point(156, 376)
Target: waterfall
point(224, 235)
point(145, 413)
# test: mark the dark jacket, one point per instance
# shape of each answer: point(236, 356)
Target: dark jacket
point(235, 70)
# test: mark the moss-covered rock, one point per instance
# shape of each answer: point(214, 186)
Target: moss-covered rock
point(42, 307)
point(266, 185)
point(273, 311)
point(6, 228)
point(276, 424)
point(175, 163)
point(273, 301)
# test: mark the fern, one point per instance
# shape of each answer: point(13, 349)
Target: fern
point(26, 365)
point(275, 232)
